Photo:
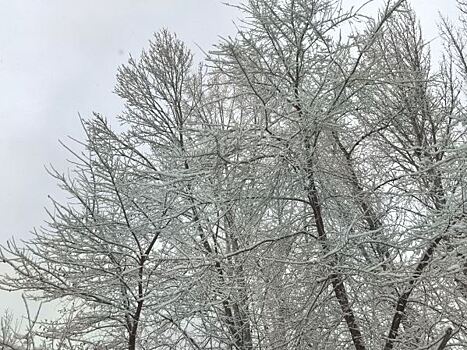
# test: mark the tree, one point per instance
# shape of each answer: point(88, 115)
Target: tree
point(301, 190)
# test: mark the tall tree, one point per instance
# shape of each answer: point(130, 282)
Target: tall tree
point(302, 189)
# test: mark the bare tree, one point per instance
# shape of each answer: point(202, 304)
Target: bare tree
point(303, 189)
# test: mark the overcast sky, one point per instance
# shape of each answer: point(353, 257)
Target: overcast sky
point(60, 57)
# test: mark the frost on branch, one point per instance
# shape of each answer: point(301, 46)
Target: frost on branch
point(303, 189)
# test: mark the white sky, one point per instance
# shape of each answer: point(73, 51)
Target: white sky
point(60, 57)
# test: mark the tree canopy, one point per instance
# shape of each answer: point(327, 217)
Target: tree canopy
point(303, 188)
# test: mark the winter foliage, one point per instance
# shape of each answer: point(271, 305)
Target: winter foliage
point(304, 188)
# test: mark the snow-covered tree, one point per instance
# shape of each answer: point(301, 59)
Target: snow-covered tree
point(304, 188)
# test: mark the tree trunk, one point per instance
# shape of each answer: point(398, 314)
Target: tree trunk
point(336, 279)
